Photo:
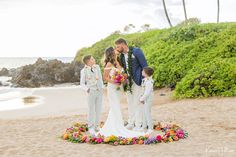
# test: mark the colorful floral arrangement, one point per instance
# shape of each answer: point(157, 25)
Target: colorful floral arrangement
point(78, 134)
point(119, 77)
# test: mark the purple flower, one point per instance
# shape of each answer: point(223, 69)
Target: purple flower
point(150, 140)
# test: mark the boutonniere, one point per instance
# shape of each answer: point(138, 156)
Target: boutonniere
point(133, 56)
point(91, 71)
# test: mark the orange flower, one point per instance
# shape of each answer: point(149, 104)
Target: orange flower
point(157, 128)
point(165, 139)
point(140, 142)
point(172, 132)
point(125, 141)
point(176, 138)
point(84, 137)
point(65, 136)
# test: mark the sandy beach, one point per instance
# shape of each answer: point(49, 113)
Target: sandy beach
point(35, 131)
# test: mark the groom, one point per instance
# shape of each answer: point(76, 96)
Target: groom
point(133, 61)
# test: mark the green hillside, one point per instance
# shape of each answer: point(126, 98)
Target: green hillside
point(196, 60)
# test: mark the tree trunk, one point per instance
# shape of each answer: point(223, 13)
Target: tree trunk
point(185, 13)
point(218, 11)
point(168, 19)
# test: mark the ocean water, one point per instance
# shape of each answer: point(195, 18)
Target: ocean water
point(14, 62)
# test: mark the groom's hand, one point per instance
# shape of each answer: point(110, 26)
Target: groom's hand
point(88, 90)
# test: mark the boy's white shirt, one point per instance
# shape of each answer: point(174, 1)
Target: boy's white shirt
point(97, 76)
point(147, 84)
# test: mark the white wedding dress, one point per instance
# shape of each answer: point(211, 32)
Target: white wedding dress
point(114, 124)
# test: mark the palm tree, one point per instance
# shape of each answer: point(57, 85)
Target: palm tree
point(218, 11)
point(145, 27)
point(128, 28)
point(168, 19)
point(185, 13)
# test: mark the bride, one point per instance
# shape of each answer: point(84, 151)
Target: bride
point(114, 124)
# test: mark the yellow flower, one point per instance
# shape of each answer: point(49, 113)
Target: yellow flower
point(113, 138)
point(130, 139)
point(107, 139)
point(170, 139)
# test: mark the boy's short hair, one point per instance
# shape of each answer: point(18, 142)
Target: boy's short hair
point(148, 70)
point(120, 41)
point(86, 58)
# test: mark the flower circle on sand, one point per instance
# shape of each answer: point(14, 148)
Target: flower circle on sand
point(78, 134)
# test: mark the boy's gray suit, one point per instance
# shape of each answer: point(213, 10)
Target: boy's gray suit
point(91, 80)
point(147, 97)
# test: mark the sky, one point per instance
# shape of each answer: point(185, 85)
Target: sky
point(59, 28)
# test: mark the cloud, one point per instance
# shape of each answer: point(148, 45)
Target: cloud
point(152, 11)
point(61, 27)
point(147, 2)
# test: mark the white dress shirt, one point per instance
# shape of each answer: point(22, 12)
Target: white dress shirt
point(147, 86)
point(126, 59)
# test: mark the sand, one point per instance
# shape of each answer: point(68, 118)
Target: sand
point(35, 131)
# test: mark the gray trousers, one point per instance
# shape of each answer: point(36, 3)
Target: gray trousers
point(94, 107)
point(134, 107)
point(147, 117)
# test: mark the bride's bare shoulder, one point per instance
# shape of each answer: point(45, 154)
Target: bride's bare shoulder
point(108, 66)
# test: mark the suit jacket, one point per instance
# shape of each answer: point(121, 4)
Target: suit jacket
point(91, 79)
point(138, 63)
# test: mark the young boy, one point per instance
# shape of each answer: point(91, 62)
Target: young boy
point(146, 98)
point(91, 82)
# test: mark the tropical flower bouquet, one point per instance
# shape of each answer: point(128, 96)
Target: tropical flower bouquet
point(78, 134)
point(119, 77)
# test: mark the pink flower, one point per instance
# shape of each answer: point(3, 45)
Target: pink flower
point(168, 134)
point(116, 143)
point(134, 142)
point(71, 128)
point(87, 140)
point(99, 140)
point(94, 139)
point(158, 138)
point(134, 138)
point(179, 131)
point(181, 135)
point(75, 134)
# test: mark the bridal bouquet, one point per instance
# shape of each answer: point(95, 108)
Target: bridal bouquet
point(119, 77)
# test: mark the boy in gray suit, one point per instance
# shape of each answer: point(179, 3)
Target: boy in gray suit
point(91, 82)
point(146, 99)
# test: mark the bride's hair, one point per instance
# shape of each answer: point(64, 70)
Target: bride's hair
point(110, 56)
